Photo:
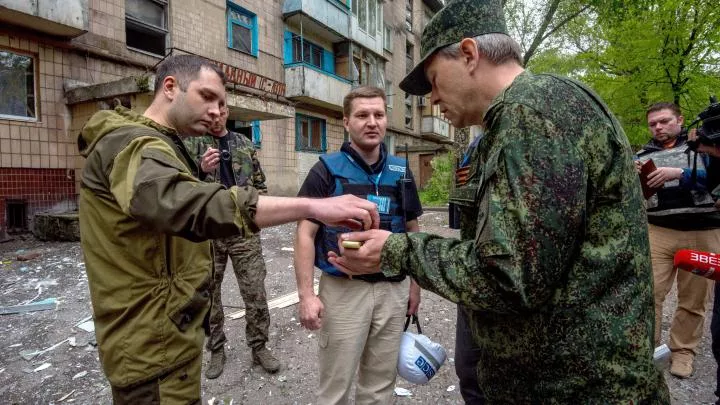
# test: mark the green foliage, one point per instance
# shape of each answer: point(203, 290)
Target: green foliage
point(638, 52)
point(437, 189)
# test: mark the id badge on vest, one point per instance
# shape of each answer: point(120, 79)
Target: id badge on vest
point(383, 203)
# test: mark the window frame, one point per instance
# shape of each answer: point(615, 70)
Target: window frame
point(409, 119)
point(256, 134)
point(389, 95)
point(409, 15)
point(409, 57)
point(312, 47)
point(387, 38)
point(253, 27)
point(299, 118)
point(377, 21)
point(36, 88)
point(137, 24)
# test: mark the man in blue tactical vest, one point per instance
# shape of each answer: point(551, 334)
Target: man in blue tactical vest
point(681, 216)
point(360, 319)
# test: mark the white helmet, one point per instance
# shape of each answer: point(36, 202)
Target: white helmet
point(420, 358)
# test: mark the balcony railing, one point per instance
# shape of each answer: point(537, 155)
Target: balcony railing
point(330, 15)
point(435, 128)
point(308, 84)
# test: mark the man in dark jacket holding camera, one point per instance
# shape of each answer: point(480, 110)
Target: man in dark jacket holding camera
point(681, 215)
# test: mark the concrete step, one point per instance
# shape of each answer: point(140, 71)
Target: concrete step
point(56, 227)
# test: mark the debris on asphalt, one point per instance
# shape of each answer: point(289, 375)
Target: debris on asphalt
point(87, 326)
point(402, 392)
point(31, 354)
point(46, 304)
point(79, 375)
point(66, 396)
point(23, 257)
point(451, 388)
point(287, 249)
point(279, 302)
point(41, 367)
point(282, 378)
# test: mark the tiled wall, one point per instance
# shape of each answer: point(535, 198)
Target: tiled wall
point(39, 189)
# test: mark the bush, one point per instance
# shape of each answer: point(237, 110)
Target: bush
point(437, 189)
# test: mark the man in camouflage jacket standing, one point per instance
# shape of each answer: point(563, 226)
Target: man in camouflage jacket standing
point(554, 261)
point(230, 158)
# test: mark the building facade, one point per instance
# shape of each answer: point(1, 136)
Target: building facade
point(289, 63)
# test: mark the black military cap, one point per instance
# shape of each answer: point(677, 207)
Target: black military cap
point(457, 20)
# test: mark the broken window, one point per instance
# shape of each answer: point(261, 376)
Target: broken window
point(368, 70)
point(17, 81)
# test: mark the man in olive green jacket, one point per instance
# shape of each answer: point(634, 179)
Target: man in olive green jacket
point(145, 220)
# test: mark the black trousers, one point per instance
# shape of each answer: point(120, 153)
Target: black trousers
point(467, 355)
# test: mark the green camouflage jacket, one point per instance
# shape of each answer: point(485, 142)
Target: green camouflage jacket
point(554, 261)
point(145, 220)
point(245, 164)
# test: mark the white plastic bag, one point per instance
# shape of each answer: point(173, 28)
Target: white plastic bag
point(420, 358)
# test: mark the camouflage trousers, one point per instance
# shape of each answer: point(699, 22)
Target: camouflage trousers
point(249, 266)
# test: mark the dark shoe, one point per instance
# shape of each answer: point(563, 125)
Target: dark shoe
point(217, 363)
point(263, 357)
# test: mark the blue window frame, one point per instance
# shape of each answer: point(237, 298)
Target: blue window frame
point(310, 134)
point(305, 51)
point(256, 134)
point(297, 49)
point(242, 29)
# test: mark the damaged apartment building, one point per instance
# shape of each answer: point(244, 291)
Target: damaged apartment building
point(288, 64)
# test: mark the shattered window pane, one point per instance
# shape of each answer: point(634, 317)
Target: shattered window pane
point(17, 85)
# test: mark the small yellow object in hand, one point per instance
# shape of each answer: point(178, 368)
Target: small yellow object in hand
point(351, 244)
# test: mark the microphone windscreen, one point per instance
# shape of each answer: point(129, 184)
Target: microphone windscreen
point(701, 263)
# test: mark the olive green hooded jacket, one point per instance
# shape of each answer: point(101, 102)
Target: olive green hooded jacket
point(144, 222)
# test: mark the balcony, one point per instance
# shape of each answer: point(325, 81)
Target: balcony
point(434, 5)
point(327, 18)
point(312, 86)
point(62, 18)
point(435, 128)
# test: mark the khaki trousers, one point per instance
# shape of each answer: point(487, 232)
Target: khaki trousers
point(361, 332)
point(687, 324)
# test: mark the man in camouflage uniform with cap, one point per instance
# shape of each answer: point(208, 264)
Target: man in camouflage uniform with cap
point(230, 159)
point(553, 265)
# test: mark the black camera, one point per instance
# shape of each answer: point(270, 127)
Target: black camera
point(225, 155)
point(708, 132)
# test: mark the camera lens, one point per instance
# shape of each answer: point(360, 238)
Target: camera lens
point(225, 154)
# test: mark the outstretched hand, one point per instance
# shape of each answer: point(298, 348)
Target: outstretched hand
point(347, 211)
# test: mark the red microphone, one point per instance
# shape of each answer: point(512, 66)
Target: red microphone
point(701, 263)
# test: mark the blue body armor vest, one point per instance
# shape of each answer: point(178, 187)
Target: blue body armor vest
point(350, 178)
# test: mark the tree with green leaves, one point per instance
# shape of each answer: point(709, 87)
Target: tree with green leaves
point(638, 52)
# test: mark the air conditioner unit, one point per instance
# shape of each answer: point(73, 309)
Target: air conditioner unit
point(422, 101)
